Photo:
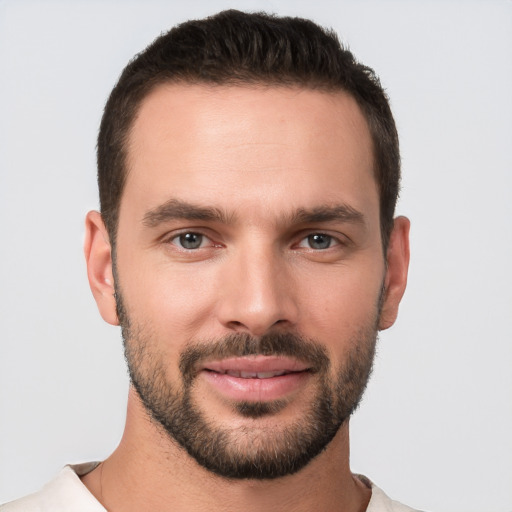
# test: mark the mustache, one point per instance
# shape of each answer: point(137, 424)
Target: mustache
point(243, 344)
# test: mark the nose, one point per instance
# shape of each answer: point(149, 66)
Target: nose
point(257, 293)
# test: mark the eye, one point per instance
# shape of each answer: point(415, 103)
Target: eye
point(318, 241)
point(190, 240)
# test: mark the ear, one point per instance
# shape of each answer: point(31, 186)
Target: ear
point(396, 274)
point(98, 256)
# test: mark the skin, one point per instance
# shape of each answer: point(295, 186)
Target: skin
point(259, 155)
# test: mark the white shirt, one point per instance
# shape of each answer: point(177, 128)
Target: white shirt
point(67, 493)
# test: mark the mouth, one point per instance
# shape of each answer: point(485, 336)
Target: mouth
point(253, 375)
point(256, 378)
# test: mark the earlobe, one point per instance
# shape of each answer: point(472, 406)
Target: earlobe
point(98, 256)
point(396, 273)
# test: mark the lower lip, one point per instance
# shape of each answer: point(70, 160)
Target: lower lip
point(255, 390)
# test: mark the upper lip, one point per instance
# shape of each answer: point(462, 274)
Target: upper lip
point(256, 364)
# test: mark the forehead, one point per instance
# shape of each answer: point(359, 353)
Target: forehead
point(200, 142)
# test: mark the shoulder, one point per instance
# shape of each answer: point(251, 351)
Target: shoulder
point(380, 501)
point(65, 493)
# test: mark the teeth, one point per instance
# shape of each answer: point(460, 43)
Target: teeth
point(248, 375)
point(268, 375)
point(255, 375)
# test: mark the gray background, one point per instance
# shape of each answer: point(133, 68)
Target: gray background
point(435, 427)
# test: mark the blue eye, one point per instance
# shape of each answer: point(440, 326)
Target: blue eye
point(319, 241)
point(189, 240)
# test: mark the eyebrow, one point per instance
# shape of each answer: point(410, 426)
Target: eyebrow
point(177, 209)
point(340, 212)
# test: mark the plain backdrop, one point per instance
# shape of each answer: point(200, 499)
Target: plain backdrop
point(434, 429)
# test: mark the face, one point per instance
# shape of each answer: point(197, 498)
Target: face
point(249, 274)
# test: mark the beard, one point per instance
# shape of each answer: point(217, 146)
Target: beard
point(253, 451)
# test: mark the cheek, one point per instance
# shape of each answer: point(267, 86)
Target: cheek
point(166, 310)
point(338, 304)
point(173, 299)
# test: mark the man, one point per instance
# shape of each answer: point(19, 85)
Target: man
point(248, 170)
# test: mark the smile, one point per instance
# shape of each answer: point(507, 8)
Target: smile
point(256, 378)
point(255, 375)
point(259, 366)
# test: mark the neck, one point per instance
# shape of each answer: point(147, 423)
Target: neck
point(150, 471)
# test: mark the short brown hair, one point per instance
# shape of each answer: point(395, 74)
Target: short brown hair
point(234, 48)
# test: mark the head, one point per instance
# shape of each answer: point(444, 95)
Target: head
point(248, 170)
point(236, 48)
